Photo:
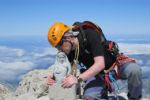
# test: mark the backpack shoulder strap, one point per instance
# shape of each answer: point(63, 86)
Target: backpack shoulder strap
point(96, 28)
point(79, 27)
point(87, 24)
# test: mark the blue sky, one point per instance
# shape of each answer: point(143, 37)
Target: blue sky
point(20, 18)
point(34, 17)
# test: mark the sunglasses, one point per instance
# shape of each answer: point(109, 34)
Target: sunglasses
point(62, 41)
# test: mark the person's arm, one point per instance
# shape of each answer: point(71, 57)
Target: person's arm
point(97, 51)
point(92, 71)
point(97, 67)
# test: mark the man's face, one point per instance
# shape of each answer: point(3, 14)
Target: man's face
point(65, 47)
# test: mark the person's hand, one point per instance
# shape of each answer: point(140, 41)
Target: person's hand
point(50, 80)
point(69, 81)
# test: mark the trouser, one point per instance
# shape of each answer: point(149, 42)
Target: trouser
point(130, 71)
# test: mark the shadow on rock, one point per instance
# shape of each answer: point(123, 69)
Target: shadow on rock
point(117, 98)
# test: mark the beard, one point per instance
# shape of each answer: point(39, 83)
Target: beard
point(66, 47)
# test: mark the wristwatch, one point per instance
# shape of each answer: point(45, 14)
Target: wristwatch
point(79, 79)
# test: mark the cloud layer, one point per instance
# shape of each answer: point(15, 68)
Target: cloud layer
point(134, 48)
point(15, 62)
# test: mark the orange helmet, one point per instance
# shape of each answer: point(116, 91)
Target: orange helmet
point(56, 33)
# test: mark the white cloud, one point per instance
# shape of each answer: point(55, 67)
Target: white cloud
point(134, 48)
point(15, 61)
point(15, 52)
point(148, 62)
point(9, 71)
point(140, 62)
point(20, 61)
point(16, 65)
point(146, 70)
point(45, 52)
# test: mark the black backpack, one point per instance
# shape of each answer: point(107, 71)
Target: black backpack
point(110, 46)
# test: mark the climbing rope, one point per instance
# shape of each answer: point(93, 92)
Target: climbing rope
point(75, 61)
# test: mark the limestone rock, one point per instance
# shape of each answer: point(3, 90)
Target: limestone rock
point(56, 92)
point(34, 83)
point(4, 91)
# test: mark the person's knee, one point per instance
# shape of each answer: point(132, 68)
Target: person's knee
point(135, 70)
point(135, 76)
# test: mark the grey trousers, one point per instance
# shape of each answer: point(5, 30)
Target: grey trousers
point(130, 71)
point(133, 73)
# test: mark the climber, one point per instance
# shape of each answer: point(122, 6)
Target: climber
point(85, 44)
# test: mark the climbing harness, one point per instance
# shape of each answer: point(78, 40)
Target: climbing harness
point(112, 74)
